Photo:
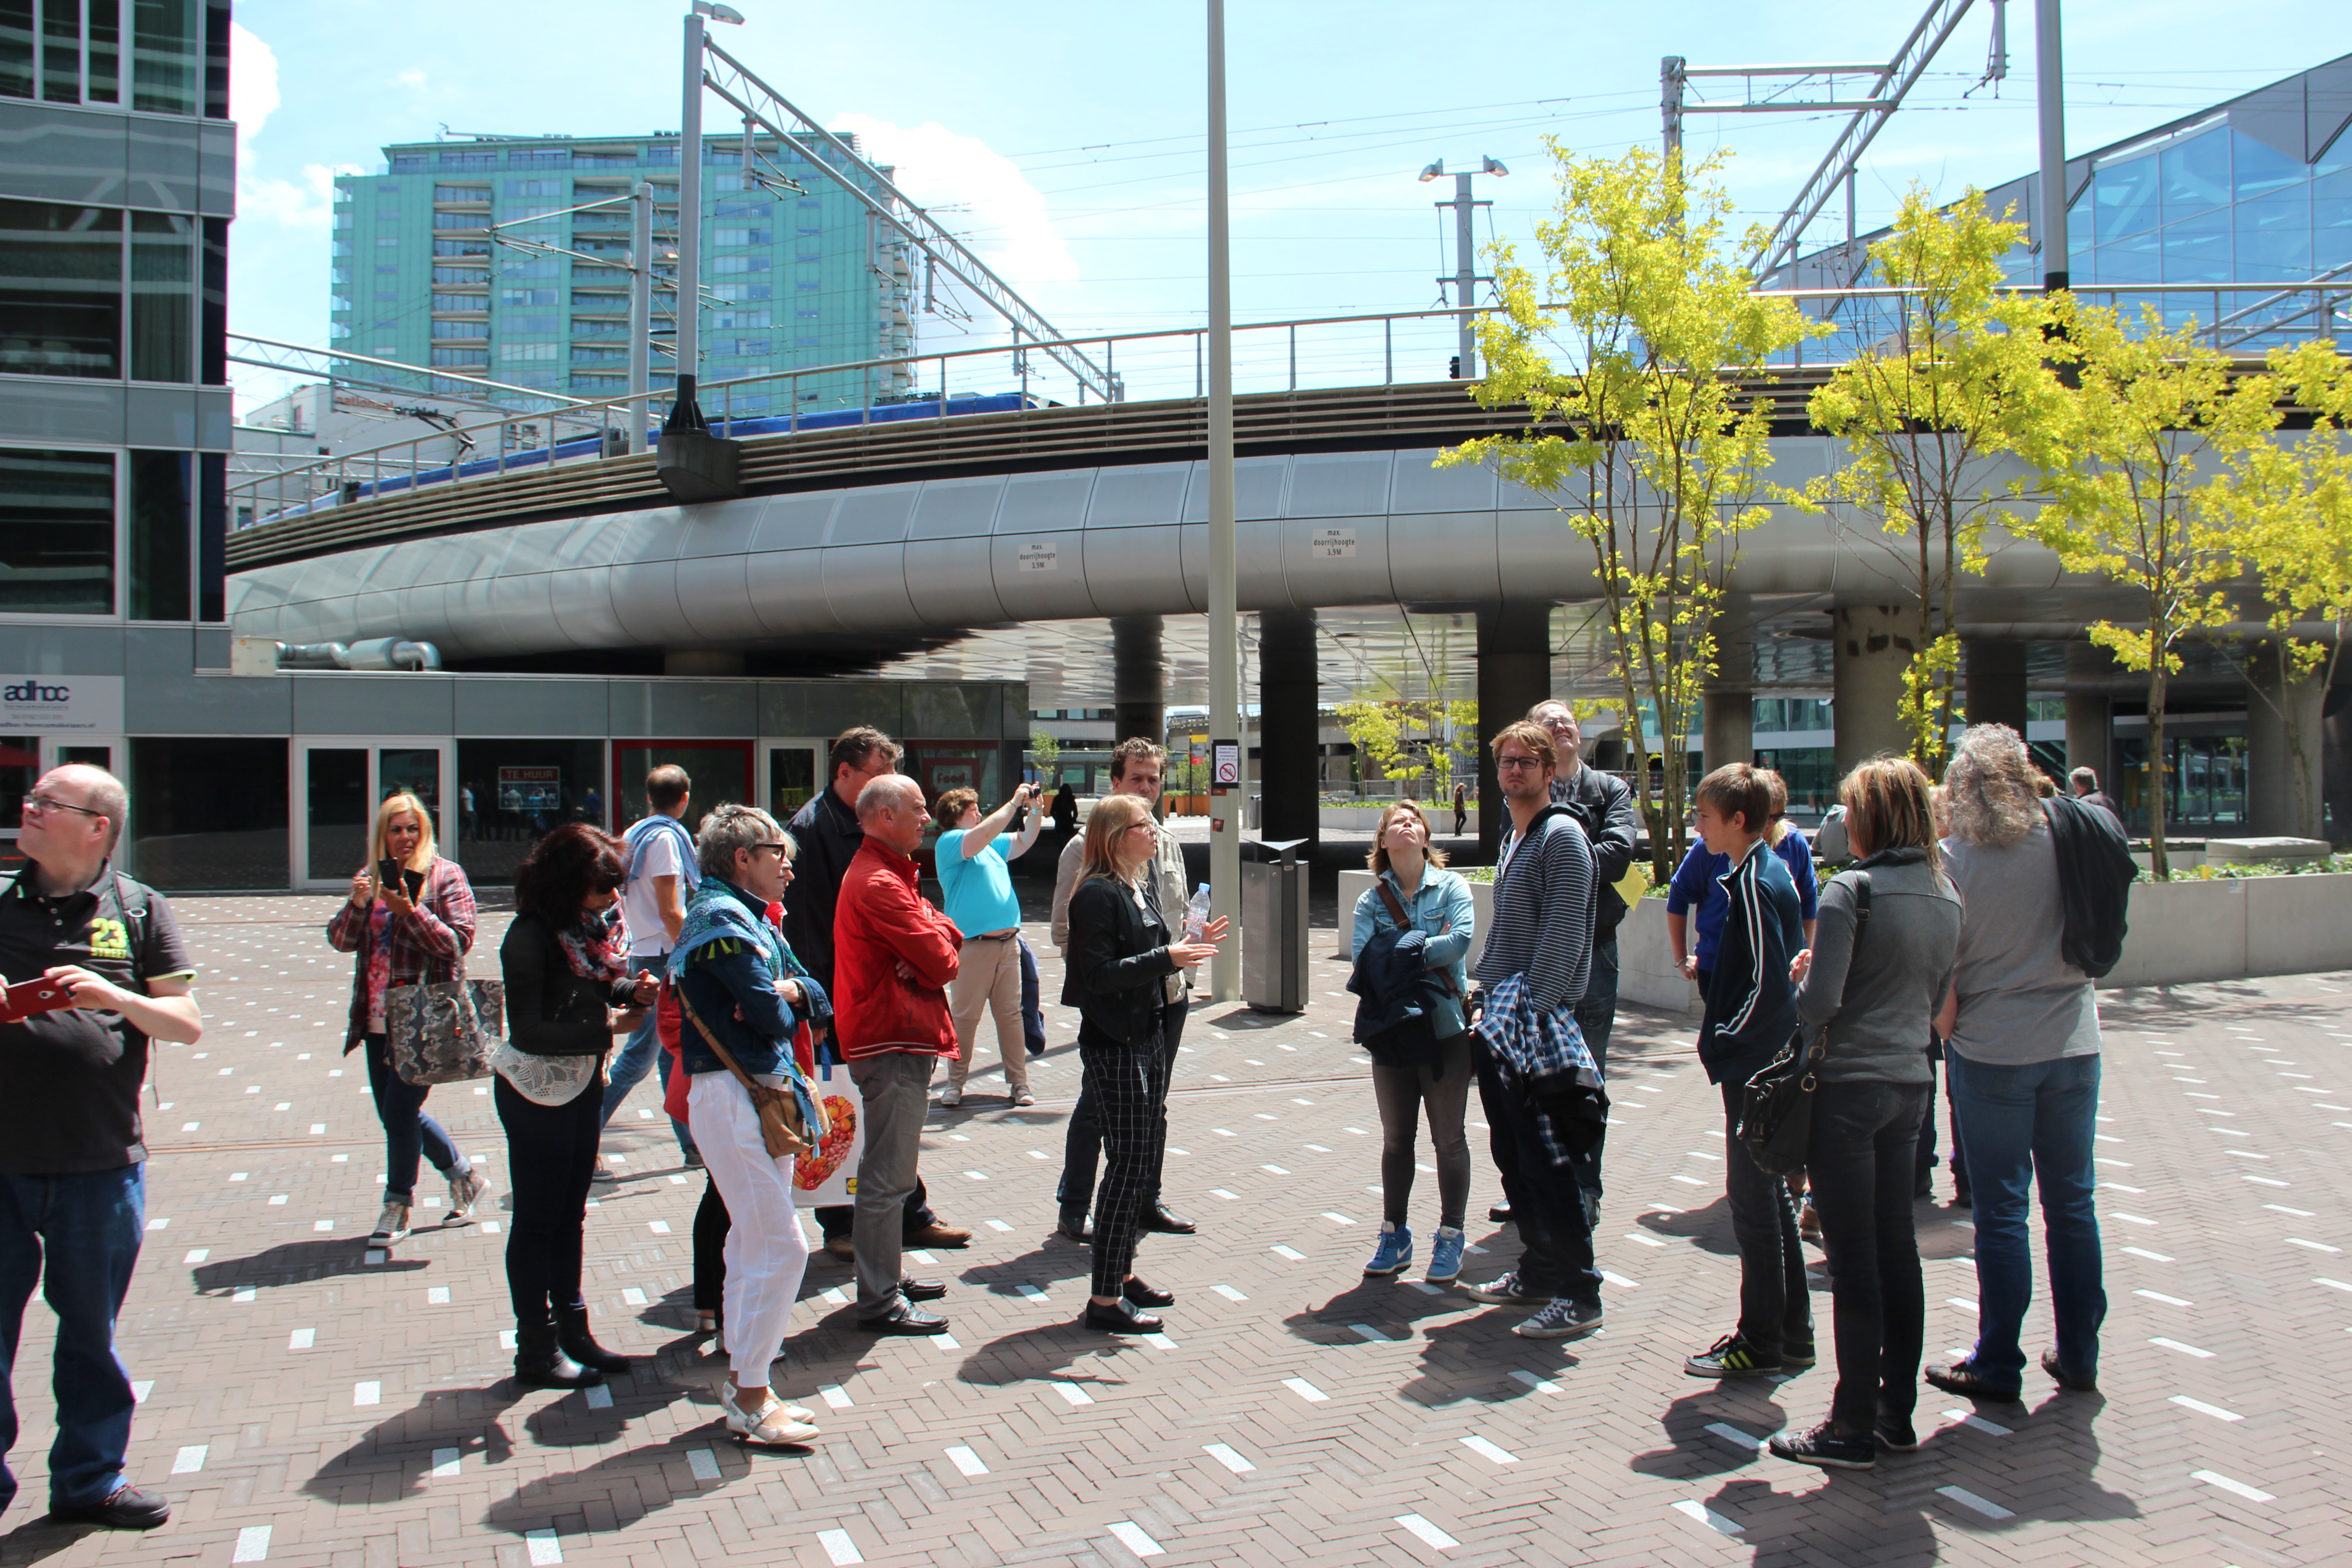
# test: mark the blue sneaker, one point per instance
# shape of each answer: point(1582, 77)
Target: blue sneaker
point(1445, 1256)
point(1394, 1253)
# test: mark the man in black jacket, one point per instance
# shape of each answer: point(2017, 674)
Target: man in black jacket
point(827, 833)
point(1603, 804)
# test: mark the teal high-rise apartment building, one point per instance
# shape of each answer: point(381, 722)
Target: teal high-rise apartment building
point(789, 280)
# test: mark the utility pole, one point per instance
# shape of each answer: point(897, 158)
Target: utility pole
point(685, 414)
point(1670, 108)
point(641, 312)
point(2048, 91)
point(1466, 270)
point(1229, 792)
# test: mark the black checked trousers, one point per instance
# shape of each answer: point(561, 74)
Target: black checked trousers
point(1128, 1085)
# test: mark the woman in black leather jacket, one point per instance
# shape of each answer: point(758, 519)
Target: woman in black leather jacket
point(1118, 951)
point(566, 960)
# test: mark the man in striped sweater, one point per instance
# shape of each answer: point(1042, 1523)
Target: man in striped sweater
point(1542, 933)
point(1752, 1012)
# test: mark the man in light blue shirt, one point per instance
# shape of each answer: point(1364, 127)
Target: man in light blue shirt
point(976, 886)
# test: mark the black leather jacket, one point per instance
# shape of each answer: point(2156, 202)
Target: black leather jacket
point(1117, 953)
point(550, 1011)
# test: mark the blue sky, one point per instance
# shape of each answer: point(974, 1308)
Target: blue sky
point(1065, 140)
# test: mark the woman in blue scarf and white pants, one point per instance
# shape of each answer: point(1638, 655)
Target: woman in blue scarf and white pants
point(736, 979)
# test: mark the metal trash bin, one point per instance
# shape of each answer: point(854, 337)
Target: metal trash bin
point(1273, 926)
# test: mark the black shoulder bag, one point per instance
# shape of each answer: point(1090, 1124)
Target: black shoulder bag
point(1776, 1109)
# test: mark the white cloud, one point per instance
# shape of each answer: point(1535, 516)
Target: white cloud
point(252, 82)
point(411, 79)
point(998, 206)
point(307, 203)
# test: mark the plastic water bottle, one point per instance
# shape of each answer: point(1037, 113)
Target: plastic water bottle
point(1196, 916)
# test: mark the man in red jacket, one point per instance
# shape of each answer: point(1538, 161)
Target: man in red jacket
point(893, 955)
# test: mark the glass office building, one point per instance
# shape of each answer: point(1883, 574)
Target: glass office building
point(2255, 190)
point(115, 198)
point(790, 279)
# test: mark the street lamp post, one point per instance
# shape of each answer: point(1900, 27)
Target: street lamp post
point(1229, 790)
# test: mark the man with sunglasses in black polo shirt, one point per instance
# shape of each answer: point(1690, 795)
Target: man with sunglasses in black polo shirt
point(95, 969)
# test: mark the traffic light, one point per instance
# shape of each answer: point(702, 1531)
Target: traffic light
point(1454, 368)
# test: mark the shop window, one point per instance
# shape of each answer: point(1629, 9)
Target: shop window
point(209, 813)
point(519, 791)
point(57, 531)
point(721, 771)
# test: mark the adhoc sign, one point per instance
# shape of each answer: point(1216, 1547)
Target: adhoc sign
point(61, 704)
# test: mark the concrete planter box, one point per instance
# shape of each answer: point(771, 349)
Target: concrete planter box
point(2183, 932)
point(1645, 970)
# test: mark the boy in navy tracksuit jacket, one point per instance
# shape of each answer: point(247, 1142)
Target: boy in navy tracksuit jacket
point(1751, 1013)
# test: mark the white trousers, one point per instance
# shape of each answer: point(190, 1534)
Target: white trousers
point(767, 1252)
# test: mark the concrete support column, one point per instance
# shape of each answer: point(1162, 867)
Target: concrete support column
point(1139, 686)
point(1513, 674)
point(1728, 728)
point(2090, 734)
point(1869, 646)
point(702, 661)
point(1994, 674)
point(2336, 773)
point(2284, 746)
point(1287, 769)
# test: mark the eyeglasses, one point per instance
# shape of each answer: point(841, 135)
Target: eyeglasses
point(1506, 764)
point(779, 847)
point(41, 805)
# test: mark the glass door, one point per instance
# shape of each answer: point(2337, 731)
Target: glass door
point(718, 771)
point(338, 785)
point(790, 773)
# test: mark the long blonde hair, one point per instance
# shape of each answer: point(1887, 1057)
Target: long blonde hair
point(1107, 824)
point(396, 803)
point(1778, 826)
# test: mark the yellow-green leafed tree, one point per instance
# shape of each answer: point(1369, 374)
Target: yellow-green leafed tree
point(2289, 504)
point(1627, 347)
point(1924, 414)
point(1404, 740)
point(2127, 450)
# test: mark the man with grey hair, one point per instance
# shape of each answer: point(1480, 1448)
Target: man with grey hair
point(1602, 805)
point(2022, 1060)
point(893, 957)
point(99, 970)
point(2085, 783)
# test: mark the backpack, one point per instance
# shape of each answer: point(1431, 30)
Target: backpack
point(2095, 871)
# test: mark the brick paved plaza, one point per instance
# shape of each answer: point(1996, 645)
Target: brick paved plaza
point(304, 1402)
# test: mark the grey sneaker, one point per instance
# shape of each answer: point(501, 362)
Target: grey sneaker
point(1505, 1292)
point(465, 1193)
point(1560, 1318)
point(950, 1097)
point(390, 1226)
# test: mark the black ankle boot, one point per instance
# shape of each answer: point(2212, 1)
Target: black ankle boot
point(540, 1361)
point(571, 1333)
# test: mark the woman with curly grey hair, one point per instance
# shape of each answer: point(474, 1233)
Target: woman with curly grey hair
point(2022, 1035)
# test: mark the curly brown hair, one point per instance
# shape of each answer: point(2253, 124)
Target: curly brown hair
point(563, 868)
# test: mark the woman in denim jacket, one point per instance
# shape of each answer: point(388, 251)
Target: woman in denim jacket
point(1440, 917)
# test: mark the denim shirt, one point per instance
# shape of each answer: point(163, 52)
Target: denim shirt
point(1440, 908)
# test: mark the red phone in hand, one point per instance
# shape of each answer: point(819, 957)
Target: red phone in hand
point(27, 997)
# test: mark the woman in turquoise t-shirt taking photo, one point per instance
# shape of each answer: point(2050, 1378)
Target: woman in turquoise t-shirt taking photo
point(976, 891)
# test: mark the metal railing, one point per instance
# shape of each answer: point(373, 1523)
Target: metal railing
point(1317, 352)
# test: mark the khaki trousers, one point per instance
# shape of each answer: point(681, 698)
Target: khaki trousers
point(989, 981)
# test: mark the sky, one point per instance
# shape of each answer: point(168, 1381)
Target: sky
point(1066, 142)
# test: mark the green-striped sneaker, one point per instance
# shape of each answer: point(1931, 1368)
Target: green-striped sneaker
point(1731, 1356)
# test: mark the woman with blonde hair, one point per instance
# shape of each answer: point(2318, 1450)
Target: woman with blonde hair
point(1867, 992)
point(406, 930)
point(1427, 913)
point(1119, 950)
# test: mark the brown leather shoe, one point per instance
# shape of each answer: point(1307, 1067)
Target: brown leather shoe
point(938, 1235)
point(841, 1245)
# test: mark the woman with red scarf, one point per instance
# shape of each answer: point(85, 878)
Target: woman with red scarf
point(566, 964)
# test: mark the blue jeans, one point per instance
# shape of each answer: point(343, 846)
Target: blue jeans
point(2018, 1123)
point(640, 1056)
point(89, 1223)
point(408, 1132)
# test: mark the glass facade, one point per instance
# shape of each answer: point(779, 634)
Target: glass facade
point(56, 531)
point(416, 276)
point(2257, 190)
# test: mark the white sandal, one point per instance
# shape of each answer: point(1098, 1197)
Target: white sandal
point(777, 1424)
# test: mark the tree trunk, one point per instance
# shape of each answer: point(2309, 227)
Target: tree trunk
point(2159, 863)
